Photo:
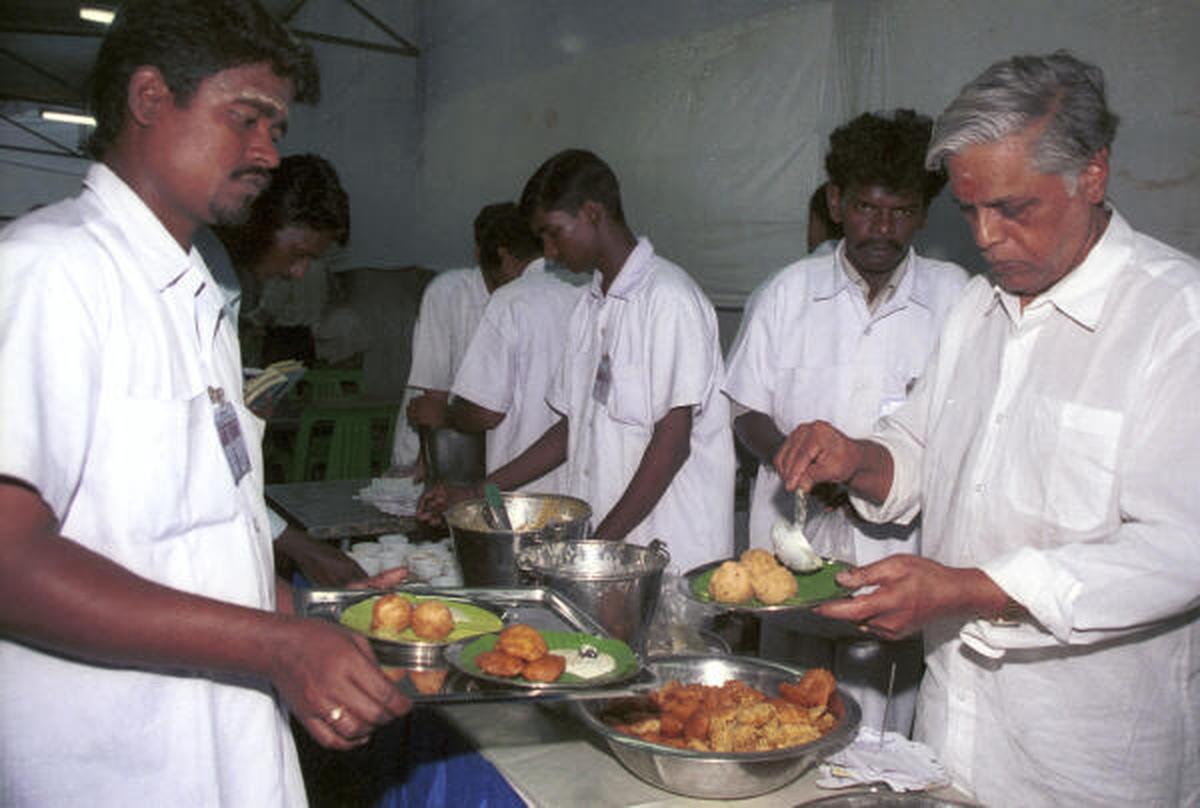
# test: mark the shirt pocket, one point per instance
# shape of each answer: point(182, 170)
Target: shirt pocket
point(165, 455)
point(805, 394)
point(629, 397)
point(1077, 448)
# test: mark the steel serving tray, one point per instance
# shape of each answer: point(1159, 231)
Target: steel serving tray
point(422, 670)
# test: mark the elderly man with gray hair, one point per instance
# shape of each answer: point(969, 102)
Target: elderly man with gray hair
point(1052, 448)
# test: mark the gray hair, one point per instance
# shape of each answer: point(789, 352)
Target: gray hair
point(1018, 92)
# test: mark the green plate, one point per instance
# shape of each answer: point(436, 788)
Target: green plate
point(463, 658)
point(470, 620)
point(812, 588)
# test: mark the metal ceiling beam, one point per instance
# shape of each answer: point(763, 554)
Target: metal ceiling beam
point(355, 43)
point(66, 151)
point(291, 12)
point(40, 71)
point(382, 26)
point(47, 152)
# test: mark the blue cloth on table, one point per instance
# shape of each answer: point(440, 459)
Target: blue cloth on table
point(443, 769)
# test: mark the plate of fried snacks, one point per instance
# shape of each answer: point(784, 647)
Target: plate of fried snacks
point(522, 656)
point(758, 582)
point(403, 618)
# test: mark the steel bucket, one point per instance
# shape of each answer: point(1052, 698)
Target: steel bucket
point(488, 556)
point(618, 584)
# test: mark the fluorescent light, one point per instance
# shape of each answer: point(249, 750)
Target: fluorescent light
point(104, 16)
point(68, 117)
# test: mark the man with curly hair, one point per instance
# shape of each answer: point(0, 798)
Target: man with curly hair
point(841, 337)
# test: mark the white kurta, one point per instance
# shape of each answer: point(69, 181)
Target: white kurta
point(1058, 448)
point(110, 338)
point(809, 349)
point(511, 363)
point(451, 309)
point(657, 334)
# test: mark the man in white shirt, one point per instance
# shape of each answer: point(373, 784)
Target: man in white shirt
point(644, 430)
point(141, 653)
point(505, 375)
point(841, 337)
point(451, 309)
point(1051, 448)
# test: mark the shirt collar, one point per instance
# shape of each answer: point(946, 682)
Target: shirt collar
point(634, 272)
point(1082, 292)
point(905, 284)
point(166, 261)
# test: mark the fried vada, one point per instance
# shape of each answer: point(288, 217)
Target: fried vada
point(432, 620)
point(391, 613)
point(730, 583)
point(523, 642)
point(775, 585)
point(498, 663)
point(545, 668)
point(758, 561)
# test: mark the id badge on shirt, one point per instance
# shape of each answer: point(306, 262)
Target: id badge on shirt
point(603, 381)
point(230, 433)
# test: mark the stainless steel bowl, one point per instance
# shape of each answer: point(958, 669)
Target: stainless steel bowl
point(488, 555)
point(717, 775)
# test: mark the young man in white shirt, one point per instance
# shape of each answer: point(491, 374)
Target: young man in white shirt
point(451, 309)
point(506, 373)
point(145, 653)
point(644, 430)
point(1051, 448)
point(842, 336)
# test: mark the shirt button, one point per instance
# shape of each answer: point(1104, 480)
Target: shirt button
point(979, 488)
point(999, 417)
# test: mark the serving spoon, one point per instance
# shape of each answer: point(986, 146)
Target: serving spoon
point(791, 545)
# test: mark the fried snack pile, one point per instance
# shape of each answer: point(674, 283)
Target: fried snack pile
point(429, 620)
point(521, 651)
point(731, 718)
point(756, 574)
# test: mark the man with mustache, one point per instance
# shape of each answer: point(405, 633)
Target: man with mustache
point(148, 654)
point(841, 336)
point(1051, 449)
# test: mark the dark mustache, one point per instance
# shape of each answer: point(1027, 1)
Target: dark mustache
point(252, 171)
point(880, 242)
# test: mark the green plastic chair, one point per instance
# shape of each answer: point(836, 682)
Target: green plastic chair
point(330, 384)
point(343, 441)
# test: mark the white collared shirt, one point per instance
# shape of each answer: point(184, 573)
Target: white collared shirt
point(451, 309)
point(511, 362)
point(111, 337)
point(1058, 449)
point(810, 348)
point(658, 333)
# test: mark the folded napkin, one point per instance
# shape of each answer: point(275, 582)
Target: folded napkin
point(903, 764)
point(393, 495)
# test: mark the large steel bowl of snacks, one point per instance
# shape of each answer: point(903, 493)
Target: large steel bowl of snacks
point(488, 555)
point(721, 775)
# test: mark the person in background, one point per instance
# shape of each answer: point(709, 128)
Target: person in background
point(296, 220)
point(505, 375)
point(644, 430)
point(823, 232)
point(147, 652)
point(842, 336)
point(1049, 449)
point(302, 213)
point(451, 309)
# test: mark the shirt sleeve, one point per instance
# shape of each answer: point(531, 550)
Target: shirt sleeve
point(684, 360)
point(750, 371)
point(487, 375)
point(50, 362)
point(431, 351)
